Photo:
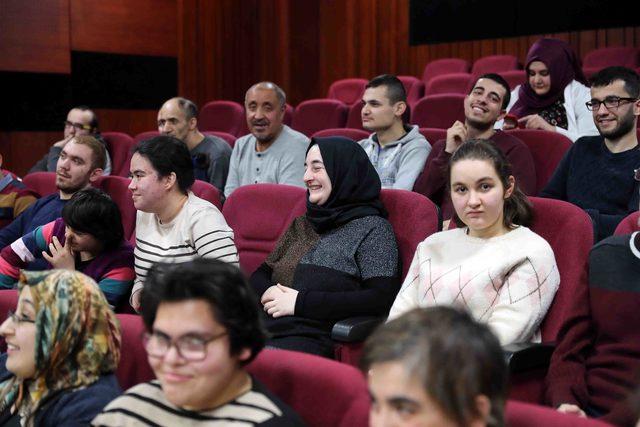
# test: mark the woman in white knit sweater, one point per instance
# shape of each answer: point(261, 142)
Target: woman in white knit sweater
point(500, 271)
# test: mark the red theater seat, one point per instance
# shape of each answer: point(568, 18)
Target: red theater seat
point(323, 392)
point(317, 114)
point(414, 88)
point(449, 83)
point(438, 111)
point(133, 367)
point(629, 224)
point(354, 117)
point(494, 64)
point(604, 57)
point(143, 136)
point(258, 215)
point(433, 135)
point(348, 91)
point(444, 66)
point(43, 183)
point(354, 134)
point(223, 116)
point(117, 188)
point(119, 145)
point(208, 192)
point(514, 77)
point(227, 137)
point(547, 149)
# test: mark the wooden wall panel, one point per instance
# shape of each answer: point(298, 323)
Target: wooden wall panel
point(22, 149)
point(34, 36)
point(140, 27)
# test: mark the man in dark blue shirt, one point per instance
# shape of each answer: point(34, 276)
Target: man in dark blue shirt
point(600, 173)
point(81, 162)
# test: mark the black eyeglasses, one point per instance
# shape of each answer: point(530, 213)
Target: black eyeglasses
point(18, 319)
point(78, 126)
point(610, 102)
point(191, 348)
point(636, 174)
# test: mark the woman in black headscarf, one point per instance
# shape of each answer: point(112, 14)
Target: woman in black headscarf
point(338, 260)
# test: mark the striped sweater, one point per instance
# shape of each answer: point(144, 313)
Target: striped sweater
point(112, 270)
point(15, 197)
point(146, 405)
point(199, 230)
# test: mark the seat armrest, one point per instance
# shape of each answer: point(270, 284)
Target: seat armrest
point(525, 357)
point(355, 329)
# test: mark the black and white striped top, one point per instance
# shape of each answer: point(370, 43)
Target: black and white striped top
point(146, 405)
point(199, 230)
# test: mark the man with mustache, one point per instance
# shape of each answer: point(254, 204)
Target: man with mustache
point(272, 152)
point(81, 162)
point(600, 174)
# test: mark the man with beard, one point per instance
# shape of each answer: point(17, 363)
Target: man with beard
point(272, 152)
point(81, 162)
point(483, 106)
point(600, 173)
point(178, 117)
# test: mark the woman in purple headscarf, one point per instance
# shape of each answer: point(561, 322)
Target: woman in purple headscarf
point(554, 95)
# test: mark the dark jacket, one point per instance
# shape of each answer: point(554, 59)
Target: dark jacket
point(70, 408)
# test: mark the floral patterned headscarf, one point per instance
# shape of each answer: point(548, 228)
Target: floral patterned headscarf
point(77, 338)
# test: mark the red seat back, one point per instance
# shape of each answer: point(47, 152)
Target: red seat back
point(629, 224)
point(444, 66)
point(413, 218)
point(258, 215)
point(519, 414)
point(348, 91)
point(119, 145)
point(547, 149)
point(414, 88)
point(223, 116)
point(227, 137)
point(143, 136)
point(438, 111)
point(514, 77)
point(354, 134)
point(433, 135)
point(117, 188)
point(354, 117)
point(322, 391)
point(610, 56)
point(133, 367)
point(569, 231)
point(208, 192)
point(449, 83)
point(494, 64)
point(43, 183)
point(317, 114)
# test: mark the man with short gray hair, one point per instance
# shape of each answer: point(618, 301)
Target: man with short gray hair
point(272, 152)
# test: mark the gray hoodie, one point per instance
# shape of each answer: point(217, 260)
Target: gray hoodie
point(400, 162)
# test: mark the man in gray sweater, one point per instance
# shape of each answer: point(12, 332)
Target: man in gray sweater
point(397, 151)
point(178, 117)
point(272, 152)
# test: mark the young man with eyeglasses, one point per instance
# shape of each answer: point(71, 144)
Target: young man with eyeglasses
point(598, 173)
point(81, 120)
point(203, 326)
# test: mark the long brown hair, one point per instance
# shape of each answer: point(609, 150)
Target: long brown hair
point(517, 209)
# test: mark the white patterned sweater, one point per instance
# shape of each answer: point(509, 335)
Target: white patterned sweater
point(507, 282)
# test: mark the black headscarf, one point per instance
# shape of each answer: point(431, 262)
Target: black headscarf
point(355, 185)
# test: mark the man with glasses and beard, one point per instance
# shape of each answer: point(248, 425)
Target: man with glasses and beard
point(600, 173)
point(81, 120)
point(80, 163)
point(272, 152)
